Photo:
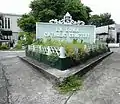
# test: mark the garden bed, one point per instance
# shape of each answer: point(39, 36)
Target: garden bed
point(56, 76)
point(62, 63)
point(63, 55)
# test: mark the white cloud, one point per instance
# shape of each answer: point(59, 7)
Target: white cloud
point(102, 6)
point(14, 6)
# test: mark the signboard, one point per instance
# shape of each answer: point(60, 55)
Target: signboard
point(66, 32)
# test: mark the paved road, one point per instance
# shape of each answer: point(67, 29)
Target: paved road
point(26, 84)
point(102, 84)
point(22, 84)
point(10, 54)
point(4, 84)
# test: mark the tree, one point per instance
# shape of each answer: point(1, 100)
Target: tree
point(26, 38)
point(77, 10)
point(45, 10)
point(27, 23)
point(106, 19)
point(101, 20)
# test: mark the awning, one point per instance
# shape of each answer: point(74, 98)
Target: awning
point(4, 40)
point(102, 33)
point(6, 32)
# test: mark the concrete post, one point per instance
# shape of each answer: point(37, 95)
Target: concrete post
point(40, 49)
point(62, 52)
point(49, 51)
point(33, 48)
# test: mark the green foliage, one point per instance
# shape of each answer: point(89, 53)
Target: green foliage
point(26, 38)
point(79, 55)
point(77, 10)
point(110, 40)
point(49, 42)
point(74, 41)
point(101, 20)
point(38, 42)
point(19, 45)
point(101, 50)
point(69, 47)
point(4, 47)
point(75, 53)
point(45, 10)
point(70, 84)
point(27, 23)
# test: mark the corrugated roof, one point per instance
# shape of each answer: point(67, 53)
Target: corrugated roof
point(11, 14)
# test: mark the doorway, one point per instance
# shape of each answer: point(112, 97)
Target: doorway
point(118, 37)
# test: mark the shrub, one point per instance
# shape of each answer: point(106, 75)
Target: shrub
point(110, 40)
point(19, 45)
point(71, 83)
point(74, 51)
point(4, 47)
point(74, 41)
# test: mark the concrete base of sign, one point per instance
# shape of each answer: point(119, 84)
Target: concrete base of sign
point(57, 76)
point(114, 45)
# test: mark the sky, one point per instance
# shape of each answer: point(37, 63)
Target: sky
point(97, 6)
point(103, 6)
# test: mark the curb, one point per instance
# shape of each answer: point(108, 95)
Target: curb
point(55, 80)
point(91, 65)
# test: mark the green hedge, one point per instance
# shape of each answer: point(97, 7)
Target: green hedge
point(63, 64)
point(4, 47)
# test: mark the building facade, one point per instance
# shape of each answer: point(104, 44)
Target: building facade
point(109, 31)
point(9, 27)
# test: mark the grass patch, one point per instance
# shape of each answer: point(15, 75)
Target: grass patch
point(70, 84)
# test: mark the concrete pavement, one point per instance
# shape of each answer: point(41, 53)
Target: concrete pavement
point(25, 85)
point(102, 84)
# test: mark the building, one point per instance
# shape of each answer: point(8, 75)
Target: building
point(9, 28)
point(109, 31)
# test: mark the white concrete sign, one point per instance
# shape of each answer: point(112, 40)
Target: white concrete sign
point(66, 29)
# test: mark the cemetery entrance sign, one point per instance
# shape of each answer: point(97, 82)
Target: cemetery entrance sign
point(66, 29)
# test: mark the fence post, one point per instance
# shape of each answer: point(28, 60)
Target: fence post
point(40, 49)
point(62, 52)
point(36, 48)
point(49, 51)
point(33, 49)
point(76, 50)
point(28, 47)
point(85, 47)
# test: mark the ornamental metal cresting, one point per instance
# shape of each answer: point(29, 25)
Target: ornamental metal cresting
point(66, 29)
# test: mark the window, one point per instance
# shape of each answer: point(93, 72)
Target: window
point(5, 22)
point(18, 19)
point(2, 23)
point(8, 23)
